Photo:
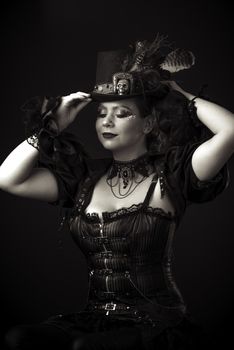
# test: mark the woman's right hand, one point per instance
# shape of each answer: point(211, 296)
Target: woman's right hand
point(70, 106)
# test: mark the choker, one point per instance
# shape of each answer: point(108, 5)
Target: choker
point(127, 175)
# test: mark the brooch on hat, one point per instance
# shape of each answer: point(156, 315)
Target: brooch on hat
point(123, 83)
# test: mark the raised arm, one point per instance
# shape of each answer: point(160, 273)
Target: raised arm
point(18, 174)
point(211, 155)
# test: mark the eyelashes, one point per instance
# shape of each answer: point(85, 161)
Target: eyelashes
point(120, 115)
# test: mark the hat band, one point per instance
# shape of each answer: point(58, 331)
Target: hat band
point(104, 88)
point(123, 83)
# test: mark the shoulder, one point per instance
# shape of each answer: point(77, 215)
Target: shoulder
point(179, 156)
point(178, 164)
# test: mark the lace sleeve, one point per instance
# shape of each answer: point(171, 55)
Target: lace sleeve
point(61, 153)
point(179, 160)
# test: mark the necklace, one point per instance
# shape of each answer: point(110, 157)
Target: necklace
point(127, 175)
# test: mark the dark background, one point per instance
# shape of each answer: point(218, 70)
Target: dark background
point(49, 48)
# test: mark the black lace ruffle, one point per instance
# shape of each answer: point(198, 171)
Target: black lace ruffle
point(61, 153)
point(123, 212)
point(35, 110)
point(192, 109)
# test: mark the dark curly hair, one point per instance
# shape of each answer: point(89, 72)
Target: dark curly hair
point(176, 121)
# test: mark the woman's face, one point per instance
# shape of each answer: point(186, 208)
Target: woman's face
point(121, 128)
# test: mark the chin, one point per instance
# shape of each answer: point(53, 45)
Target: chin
point(109, 144)
point(110, 147)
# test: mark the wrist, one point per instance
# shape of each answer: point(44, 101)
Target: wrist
point(188, 95)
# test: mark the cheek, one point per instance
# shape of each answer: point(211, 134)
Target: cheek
point(132, 127)
point(97, 125)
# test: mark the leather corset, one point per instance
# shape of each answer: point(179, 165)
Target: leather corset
point(129, 252)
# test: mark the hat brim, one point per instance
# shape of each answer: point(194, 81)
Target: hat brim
point(115, 97)
point(111, 97)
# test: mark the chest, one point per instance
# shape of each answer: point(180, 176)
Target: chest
point(104, 199)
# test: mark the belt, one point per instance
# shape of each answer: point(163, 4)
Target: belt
point(122, 309)
point(113, 307)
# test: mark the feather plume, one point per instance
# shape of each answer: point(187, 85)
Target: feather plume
point(144, 55)
point(177, 60)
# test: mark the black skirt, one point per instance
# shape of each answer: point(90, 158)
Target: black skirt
point(100, 331)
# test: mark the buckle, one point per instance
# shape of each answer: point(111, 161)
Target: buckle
point(109, 307)
point(101, 240)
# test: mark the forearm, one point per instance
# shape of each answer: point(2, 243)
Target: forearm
point(17, 167)
point(218, 119)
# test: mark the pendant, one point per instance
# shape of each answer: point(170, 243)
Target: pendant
point(126, 174)
point(128, 171)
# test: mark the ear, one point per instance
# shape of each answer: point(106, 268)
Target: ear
point(149, 122)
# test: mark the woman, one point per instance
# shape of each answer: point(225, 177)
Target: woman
point(169, 149)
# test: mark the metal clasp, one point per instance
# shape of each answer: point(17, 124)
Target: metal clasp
point(110, 307)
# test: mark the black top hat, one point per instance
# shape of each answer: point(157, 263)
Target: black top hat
point(138, 70)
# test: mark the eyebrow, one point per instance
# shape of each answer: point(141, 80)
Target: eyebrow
point(122, 106)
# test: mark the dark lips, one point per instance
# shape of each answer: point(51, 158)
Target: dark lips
point(108, 135)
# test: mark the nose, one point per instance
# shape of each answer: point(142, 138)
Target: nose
point(108, 120)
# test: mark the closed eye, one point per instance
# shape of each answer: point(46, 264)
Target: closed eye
point(101, 115)
point(118, 115)
point(118, 111)
point(124, 115)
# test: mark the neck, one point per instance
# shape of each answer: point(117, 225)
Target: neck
point(128, 155)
